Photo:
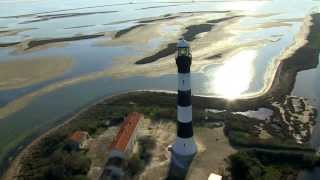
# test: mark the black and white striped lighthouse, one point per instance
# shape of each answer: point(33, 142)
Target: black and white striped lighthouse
point(184, 145)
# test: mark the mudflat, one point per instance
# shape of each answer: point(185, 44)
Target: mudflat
point(21, 73)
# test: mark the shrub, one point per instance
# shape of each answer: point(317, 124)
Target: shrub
point(135, 164)
point(244, 167)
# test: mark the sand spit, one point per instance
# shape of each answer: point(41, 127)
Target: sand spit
point(127, 30)
point(190, 35)
point(137, 35)
point(166, 17)
point(9, 44)
point(155, 7)
point(32, 44)
point(38, 43)
point(41, 18)
point(20, 73)
point(203, 50)
point(13, 32)
point(160, 26)
point(78, 27)
point(169, 50)
point(35, 43)
point(20, 103)
point(273, 24)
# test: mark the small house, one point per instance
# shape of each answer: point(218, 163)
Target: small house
point(79, 140)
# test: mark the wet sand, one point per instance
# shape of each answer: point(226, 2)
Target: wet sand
point(216, 56)
point(14, 32)
point(20, 73)
point(190, 35)
point(192, 30)
point(169, 50)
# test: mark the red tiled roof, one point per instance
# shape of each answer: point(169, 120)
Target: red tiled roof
point(78, 136)
point(125, 132)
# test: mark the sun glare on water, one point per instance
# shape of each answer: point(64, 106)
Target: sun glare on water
point(233, 78)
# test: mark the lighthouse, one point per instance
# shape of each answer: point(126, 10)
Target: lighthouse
point(184, 147)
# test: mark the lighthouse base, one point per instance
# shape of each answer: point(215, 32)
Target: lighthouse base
point(182, 154)
point(184, 147)
point(179, 166)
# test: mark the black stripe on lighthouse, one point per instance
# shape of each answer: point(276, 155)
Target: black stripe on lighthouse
point(185, 130)
point(183, 63)
point(184, 98)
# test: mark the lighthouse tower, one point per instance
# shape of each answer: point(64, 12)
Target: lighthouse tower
point(184, 146)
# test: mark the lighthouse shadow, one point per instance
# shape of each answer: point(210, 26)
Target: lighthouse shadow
point(179, 167)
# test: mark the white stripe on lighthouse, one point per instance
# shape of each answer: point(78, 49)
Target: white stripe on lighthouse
point(184, 81)
point(185, 146)
point(185, 114)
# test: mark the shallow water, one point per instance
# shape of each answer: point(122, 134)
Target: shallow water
point(260, 114)
point(254, 68)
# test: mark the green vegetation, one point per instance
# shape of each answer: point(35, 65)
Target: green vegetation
point(54, 154)
point(265, 165)
point(245, 167)
point(241, 131)
point(315, 40)
point(52, 159)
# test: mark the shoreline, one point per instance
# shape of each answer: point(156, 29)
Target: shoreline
point(17, 154)
point(286, 72)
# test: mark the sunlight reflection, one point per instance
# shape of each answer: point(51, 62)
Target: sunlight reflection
point(234, 77)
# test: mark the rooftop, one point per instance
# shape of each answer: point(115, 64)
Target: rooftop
point(79, 136)
point(125, 132)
